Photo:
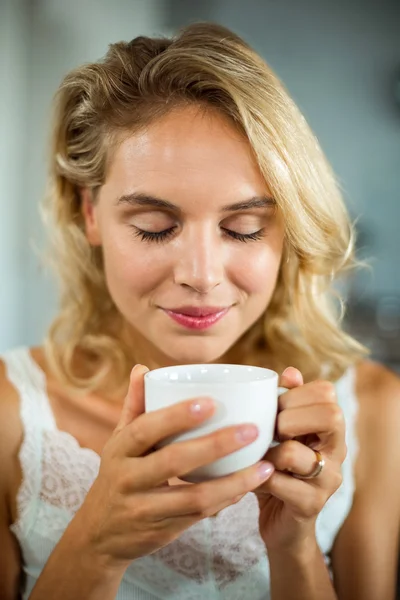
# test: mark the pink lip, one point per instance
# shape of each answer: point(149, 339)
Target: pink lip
point(195, 317)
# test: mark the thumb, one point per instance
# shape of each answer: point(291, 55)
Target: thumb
point(134, 400)
point(291, 378)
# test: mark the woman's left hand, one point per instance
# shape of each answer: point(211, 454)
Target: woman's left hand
point(309, 417)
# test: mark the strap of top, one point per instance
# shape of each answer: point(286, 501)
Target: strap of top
point(339, 504)
point(348, 401)
point(30, 383)
point(36, 416)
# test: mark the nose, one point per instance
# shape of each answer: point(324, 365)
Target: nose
point(200, 265)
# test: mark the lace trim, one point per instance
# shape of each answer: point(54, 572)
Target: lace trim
point(42, 478)
point(339, 504)
point(68, 470)
point(29, 384)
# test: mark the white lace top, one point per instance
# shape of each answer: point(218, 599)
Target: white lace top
point(221, 557)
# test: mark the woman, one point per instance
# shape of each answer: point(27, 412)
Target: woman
point(194, 219)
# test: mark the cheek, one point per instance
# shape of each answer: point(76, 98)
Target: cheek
point(128, 267)
point(256, 272)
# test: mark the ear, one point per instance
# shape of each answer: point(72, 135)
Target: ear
point(90, 217)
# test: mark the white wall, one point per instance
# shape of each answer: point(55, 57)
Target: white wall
point(14, 43)
point(59, 36)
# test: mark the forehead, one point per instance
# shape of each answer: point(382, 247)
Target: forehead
point(187, 150)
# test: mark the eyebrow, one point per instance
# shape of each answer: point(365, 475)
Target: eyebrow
point(142, 199)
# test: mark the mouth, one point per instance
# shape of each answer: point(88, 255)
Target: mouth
point(197, 317)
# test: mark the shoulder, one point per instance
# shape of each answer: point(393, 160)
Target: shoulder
point(11, 435)
point(373, 522)
point(9, 414)
point(378, 393)
point(373, 378)
point(10, 478)
point(10, 400)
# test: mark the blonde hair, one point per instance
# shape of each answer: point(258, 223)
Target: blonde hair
point(138, 82)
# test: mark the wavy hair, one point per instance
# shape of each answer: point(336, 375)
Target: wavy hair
point(138, 82)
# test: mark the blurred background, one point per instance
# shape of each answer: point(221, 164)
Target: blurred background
point(340, 61)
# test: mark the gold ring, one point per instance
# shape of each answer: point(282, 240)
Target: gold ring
point(317, 469)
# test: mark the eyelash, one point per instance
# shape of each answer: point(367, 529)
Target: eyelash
point(162, 236)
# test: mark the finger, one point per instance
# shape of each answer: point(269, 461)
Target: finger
point(299, 496)
point(134, 401)
point(216, 509)
point(167, 510)
point(148, 429)
point(316, 392)
point(179, 459)
point(150, 510)
point(324, 420)
point(296, 458)
point(291, 378)
point(205, 499)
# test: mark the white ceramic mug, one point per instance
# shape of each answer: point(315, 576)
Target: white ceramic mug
point(242, 394)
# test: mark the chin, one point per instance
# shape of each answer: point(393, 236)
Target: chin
point(196, 351)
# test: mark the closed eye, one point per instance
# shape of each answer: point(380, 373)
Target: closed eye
point(244, 237)
point(162, 236)
point(154, 236)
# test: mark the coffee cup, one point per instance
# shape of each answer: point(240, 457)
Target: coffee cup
point(242, 394)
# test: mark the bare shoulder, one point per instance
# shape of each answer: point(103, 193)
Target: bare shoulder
point(374, 380)
point(378, 393)
point(10, 427)
point(10, 477)
point(11, 431)
point(11, 435)
point(364, 554)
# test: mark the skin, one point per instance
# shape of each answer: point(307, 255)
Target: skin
point(201, 265)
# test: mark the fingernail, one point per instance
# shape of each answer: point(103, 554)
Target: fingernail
point(137, 368)
point(133, 371)
point(265, 469)
point(286, 370)
point(201, 405)
point(246, 433)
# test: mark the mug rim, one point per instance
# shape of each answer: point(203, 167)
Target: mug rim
point(268, 374)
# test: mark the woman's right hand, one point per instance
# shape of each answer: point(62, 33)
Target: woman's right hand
point(131, 511)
